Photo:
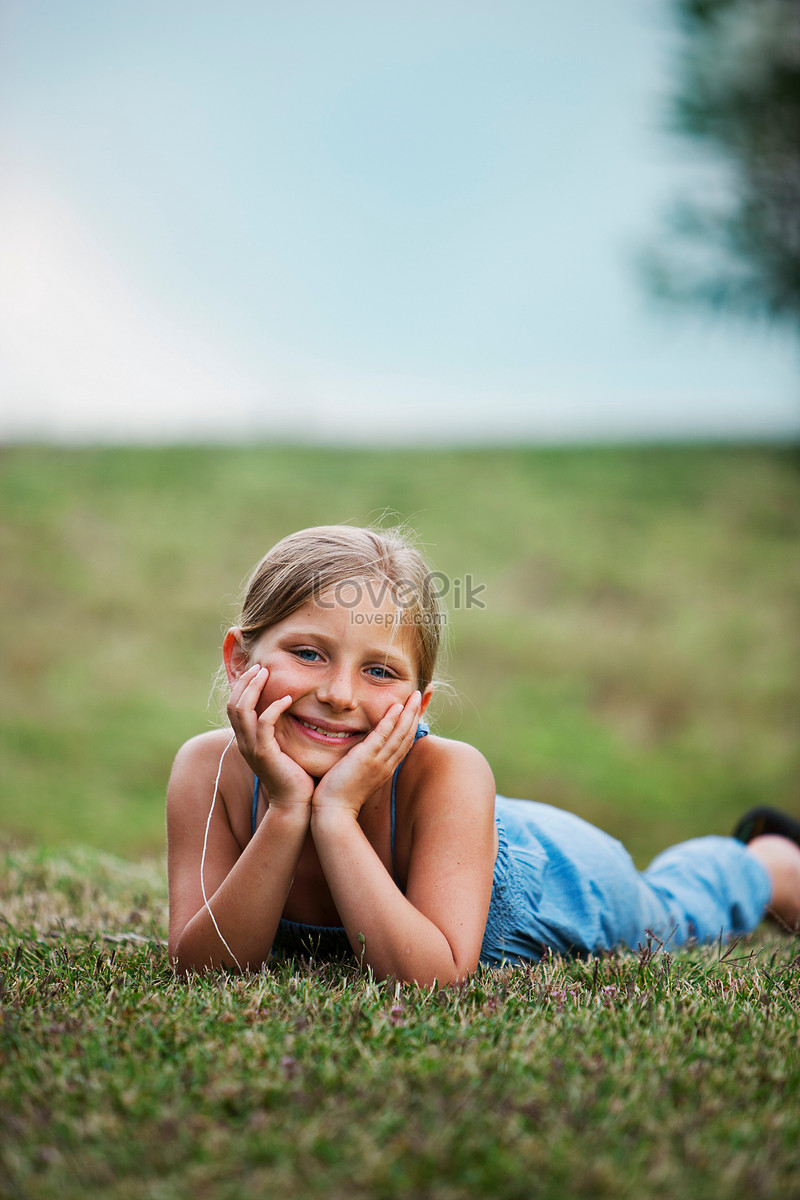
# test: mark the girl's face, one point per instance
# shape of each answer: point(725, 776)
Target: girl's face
point(345, 659)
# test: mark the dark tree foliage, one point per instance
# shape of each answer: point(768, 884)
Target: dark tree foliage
point(736, 243)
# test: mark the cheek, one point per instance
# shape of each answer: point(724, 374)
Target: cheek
point(280, 682)
point(381, 704)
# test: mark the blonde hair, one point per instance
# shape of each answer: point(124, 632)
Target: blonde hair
point(305, 565)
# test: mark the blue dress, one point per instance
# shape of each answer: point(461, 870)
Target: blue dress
point(564, 886)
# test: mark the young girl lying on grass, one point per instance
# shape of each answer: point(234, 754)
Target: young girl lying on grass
point(337, 822)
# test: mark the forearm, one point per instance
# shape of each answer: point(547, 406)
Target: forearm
point(247, 905)
point(398, 940)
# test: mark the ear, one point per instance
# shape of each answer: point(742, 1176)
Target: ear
point(234, 655)
point(426, 698)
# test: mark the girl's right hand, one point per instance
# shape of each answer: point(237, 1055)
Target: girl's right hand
point(285, 780)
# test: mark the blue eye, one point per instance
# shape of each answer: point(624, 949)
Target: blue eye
point(381, 673)
point(307, 655)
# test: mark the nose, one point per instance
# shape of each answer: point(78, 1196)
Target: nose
point(337, 690)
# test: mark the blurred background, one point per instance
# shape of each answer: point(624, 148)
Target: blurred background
point(526, 276)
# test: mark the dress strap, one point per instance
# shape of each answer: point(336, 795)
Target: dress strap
point(422, 730)
point(255, 806)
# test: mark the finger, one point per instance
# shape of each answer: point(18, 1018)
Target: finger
point(398, 724)
point(407, 723)
point(247, 695)
point(253, 681)
point(269, 716)
point(249, 681)
point(385, 727)
point(409, 712)
point(242, 703)
point(249, 674)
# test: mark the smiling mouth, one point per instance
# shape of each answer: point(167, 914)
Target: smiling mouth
point(326, 734)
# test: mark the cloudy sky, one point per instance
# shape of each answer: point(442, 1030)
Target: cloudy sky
point(350, 221)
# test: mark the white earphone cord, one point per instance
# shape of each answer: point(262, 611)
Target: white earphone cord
point(205, 845)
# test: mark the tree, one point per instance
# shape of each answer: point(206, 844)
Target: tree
point(737, 245)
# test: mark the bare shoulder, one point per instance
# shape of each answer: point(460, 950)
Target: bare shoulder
point(448, 753)
point(195, 769)
point(201, 751)
point(448, 768)
point(194, 791)
point(195, 765)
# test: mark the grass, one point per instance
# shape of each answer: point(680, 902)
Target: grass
point(632, 1075)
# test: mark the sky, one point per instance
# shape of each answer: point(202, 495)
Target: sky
point(353, 222)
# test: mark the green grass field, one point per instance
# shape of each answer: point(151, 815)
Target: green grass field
point(626, 1076)
point(636, 661)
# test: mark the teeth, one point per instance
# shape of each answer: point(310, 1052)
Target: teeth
point(327, 732)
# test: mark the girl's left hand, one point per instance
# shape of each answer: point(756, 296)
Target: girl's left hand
point(369, 764)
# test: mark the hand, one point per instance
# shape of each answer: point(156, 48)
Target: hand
point(285, 780)
point(369, 764)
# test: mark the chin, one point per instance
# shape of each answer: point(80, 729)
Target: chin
point(317, 767)
point(314, 761)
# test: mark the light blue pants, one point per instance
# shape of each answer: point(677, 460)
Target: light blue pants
point(562, 884)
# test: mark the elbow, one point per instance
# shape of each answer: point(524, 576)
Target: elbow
point(186, 960)
point(439, 979)
point(455, 977)
point(450, 974)
point(445, 965)
point(180, 962)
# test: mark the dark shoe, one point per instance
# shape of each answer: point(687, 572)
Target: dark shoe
point(767, 820)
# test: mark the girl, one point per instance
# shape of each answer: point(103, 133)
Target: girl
point(336, 822)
